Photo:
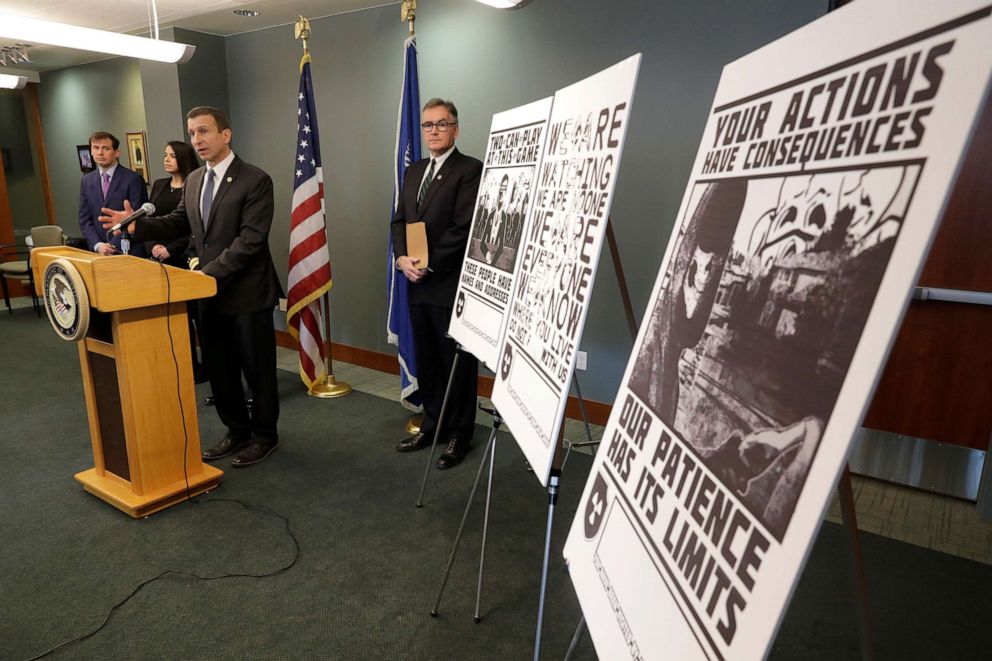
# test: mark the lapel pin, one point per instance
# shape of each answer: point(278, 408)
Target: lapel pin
point(230, 179)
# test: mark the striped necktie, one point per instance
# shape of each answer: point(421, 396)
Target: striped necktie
point(427, 184)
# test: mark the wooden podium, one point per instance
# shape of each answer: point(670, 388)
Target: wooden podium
point(130, 379)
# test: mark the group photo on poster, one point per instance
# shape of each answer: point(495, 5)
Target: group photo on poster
point(485, 285)
point(504, 198)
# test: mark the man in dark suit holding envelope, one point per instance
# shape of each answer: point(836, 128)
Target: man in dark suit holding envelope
point(439, 191)
point(227, 207)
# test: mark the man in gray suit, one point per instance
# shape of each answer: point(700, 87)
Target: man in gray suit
point(227, 207)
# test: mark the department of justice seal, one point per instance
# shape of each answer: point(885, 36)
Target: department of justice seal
point(66, 300)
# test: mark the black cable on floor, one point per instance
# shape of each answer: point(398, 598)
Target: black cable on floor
point(179, 572)
point(191, 501)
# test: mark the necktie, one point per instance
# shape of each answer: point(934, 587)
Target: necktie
point(208, 197)
point(427, 184)
point(105, 183)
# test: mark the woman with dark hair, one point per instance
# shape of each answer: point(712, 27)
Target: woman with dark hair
point(179, 160)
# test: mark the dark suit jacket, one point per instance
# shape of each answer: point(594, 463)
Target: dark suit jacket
point(124, 185)
point(447, 213)
point(166, 202)
point(234, 248)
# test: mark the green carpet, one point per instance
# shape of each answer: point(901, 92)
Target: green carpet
point(370, 562)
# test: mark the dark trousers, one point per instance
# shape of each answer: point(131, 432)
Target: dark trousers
point(435, 356)
point(245, 343)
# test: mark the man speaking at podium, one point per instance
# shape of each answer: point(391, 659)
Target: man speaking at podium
point(227, 207)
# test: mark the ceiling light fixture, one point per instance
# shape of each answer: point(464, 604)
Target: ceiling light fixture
point(247, 12)
point(9, 82)
point(38, 31)
point(505, 4)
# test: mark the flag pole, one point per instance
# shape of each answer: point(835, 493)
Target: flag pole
point(326, 386)
point(408, 14)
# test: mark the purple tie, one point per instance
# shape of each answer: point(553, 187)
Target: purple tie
point(105, 185)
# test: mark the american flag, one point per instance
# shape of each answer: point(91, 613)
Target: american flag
point(309, 261)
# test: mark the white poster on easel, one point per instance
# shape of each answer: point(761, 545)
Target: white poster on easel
point(559, 256)
point(825, 164)
point(514, 148)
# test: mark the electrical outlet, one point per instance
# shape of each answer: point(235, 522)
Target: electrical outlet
point(282, 304)
point(580, 360)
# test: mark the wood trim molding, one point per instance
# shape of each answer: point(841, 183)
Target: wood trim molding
point(34, 112)
point(380, 362)
point(598, 412)
point(18, 288)
point(6, 218)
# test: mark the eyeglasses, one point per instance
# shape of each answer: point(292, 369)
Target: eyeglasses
point(442, 126)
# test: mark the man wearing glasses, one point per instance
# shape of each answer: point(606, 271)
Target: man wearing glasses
point(439, 191)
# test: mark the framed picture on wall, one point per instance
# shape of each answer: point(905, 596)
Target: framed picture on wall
point(85, 158)
point(137, 152)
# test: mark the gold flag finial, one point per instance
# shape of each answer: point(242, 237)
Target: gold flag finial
point(303, 32)
point(408, 12)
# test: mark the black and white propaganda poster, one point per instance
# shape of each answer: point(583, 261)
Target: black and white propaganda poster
point(823, 171)
point(559, 255)
point(516, 142)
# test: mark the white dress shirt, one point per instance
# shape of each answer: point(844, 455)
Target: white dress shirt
point(219, 171)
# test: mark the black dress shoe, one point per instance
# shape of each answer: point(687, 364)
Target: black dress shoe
point(418, 441)
point(254, 453)
point(452, 455)
point(226, 446)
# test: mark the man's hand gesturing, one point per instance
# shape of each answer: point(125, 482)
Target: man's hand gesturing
point(111, 217)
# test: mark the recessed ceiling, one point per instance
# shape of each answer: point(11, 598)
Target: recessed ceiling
point(134, 17)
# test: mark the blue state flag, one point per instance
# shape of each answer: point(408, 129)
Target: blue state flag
point(398, 328)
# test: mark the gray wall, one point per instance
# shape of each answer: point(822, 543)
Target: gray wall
point(119, 95)
point(486, 61)
point(76, 101)
point(23, 180)
point(169, 90)
point(203, 80)
point(163, 108)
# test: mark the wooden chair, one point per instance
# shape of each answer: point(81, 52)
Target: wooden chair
point(15, 261)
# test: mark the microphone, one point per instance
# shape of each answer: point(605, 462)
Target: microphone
point(147, 209)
